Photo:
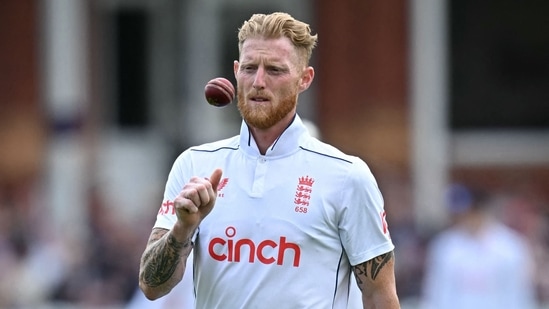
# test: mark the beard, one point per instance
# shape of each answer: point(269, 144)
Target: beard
point(266, 115)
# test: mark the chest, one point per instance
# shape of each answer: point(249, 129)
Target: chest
point(274, 202)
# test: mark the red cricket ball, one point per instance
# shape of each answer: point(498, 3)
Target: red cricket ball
point(219, 92)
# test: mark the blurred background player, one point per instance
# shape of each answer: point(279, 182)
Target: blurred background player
point(478, 262)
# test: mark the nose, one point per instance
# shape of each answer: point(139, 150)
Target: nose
point(259, 80)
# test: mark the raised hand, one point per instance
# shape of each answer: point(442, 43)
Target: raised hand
point(197, 199)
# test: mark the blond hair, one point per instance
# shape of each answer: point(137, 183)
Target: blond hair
point(276, 25)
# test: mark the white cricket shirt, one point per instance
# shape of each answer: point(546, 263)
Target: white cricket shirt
point(286, 226)
point(490, 270)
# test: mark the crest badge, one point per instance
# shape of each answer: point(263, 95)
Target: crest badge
point(303, 191)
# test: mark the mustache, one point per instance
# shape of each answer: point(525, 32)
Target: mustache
point(259, 93)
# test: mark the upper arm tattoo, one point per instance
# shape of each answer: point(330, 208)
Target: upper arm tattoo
point(162, 257)
point(371, 268)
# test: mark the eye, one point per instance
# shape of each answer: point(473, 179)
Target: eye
point(275, 70)
point(248, 68)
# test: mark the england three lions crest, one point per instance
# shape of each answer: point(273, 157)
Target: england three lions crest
point(303, 191)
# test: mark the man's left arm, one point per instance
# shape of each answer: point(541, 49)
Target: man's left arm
point(376, 280)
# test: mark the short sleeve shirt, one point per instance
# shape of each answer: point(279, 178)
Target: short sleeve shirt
point(286, 226)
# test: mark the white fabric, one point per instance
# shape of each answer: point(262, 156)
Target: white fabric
point(492, 270)
point(274, 238)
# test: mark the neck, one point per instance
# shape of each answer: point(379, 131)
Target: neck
point(475, 222)
point(264, 138)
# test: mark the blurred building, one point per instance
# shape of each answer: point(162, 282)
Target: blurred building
point(98, 96)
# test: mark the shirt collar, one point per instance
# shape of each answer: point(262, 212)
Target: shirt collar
point(287, 143)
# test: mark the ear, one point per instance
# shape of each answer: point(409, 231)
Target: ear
point(236, 65)
point(306, 78)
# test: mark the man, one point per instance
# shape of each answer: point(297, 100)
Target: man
point(477, 262)
point(291, 214)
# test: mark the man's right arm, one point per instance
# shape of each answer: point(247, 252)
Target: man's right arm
point(164, 259)
point(162, 263)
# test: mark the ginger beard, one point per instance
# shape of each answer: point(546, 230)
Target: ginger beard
point(265, 115)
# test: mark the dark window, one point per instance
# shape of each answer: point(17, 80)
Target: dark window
point(499, 64)
point(131, 68)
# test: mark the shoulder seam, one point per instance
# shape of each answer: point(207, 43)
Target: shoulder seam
point(326, 155)
point(213, 150)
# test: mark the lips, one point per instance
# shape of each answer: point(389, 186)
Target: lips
point(259, 98)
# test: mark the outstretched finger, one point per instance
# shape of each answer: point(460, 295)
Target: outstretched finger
point(215, 178)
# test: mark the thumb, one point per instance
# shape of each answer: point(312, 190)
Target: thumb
point(215, 178)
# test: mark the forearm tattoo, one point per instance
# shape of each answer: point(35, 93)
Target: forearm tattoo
point(162, 258)
point(372, 267)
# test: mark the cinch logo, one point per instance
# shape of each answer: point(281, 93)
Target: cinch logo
point(231, 249)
